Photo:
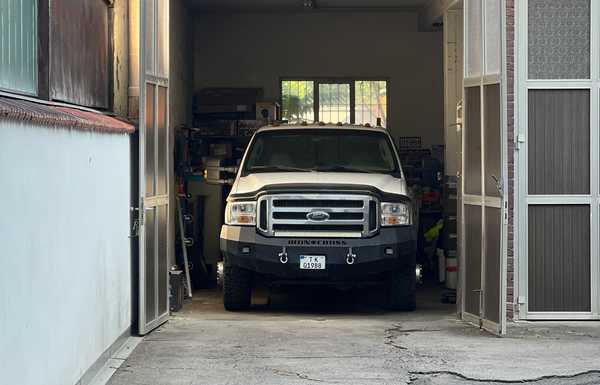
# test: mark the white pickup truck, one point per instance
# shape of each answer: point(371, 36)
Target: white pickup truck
point(319, 204)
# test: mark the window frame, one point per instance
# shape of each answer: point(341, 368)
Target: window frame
point(339, 80)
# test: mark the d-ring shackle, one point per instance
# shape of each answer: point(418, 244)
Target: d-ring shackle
point(283, 256)
point(350, 257)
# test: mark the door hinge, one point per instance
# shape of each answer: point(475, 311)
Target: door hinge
point(135, 224)
point(520, 140)
point(505, 211)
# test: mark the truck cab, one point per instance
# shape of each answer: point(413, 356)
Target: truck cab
point(319, 204)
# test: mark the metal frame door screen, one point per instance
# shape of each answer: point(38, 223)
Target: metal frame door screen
point(154, 165)
point(483, 208)
point(558, 157)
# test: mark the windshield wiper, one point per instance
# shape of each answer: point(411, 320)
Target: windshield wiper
point(278, 169)
point(346, 169)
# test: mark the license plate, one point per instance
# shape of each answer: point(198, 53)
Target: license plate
point(312, 262)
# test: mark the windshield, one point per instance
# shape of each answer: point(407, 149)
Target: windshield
point(321, 150)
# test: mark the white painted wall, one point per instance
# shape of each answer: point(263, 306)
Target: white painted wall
point(256, 50)
point(65, 292)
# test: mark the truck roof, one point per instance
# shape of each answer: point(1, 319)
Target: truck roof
point(278, 127)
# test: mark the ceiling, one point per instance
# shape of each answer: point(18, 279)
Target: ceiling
point(298, 5)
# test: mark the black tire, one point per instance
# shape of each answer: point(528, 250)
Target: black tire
point(401, 289)
point(237, 288)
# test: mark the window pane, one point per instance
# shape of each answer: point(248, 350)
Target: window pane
point(18, 45)
point(370, 102)
point(334, 103)
point(559, 39)
point(473, 43)
point(162, 38)
point(297, 97)
point(493, 35)
point(150, 37)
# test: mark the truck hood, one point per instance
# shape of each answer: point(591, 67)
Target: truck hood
point(255, 182)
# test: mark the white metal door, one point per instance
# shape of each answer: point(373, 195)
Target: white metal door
point(154, 164)
point(558, 157)
point(483, 207)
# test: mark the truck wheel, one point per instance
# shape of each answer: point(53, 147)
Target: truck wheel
point(237, 288)
point(402, 289)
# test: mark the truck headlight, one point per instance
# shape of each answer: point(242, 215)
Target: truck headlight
point(395, 214)
point(240, 213)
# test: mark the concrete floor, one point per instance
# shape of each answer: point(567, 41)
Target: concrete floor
point(308, 335)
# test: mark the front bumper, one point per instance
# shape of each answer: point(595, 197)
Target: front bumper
point(245, 248)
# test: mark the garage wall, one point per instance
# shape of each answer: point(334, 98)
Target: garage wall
point(65, 289)
point(247, 49)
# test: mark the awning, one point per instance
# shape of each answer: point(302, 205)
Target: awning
point(49, 115)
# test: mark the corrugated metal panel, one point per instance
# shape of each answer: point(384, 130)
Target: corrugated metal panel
point(473, 141)
point(559, 258)
point(492, 139)
point(559, 142)
point(79, 52)
point(22, 110)
point(493, 264)
point(472, 258)
point(18, 45)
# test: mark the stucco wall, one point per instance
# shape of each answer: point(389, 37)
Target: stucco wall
point(65, 293)
point(256, 50)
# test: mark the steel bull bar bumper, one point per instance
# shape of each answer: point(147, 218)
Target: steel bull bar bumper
point(347, 259)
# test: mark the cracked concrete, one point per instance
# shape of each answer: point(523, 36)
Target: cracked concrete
point(313, 336)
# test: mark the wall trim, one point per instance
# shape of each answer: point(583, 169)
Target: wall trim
point(90, 374)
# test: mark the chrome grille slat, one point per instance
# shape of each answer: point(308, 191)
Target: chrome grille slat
point(297, 205)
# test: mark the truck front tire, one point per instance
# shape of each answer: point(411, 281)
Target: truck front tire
point(401, 289)
point(237, 288)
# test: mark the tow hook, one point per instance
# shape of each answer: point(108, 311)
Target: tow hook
point(283, 256)
point(350, 257)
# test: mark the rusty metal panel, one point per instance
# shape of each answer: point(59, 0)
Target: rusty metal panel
point(79, 52)
point(41, 114)
point(18, 48)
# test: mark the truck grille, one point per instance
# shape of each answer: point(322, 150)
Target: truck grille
point(318, 215)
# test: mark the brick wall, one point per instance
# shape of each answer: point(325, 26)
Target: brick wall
point(510, 106)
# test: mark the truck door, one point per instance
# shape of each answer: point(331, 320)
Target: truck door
point(154, 164)
point(483, 204)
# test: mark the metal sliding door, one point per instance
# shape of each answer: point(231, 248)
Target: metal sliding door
point(154, 164)
point(559, 86)
point(483, 277)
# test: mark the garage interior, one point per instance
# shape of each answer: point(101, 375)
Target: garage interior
point(237, 66)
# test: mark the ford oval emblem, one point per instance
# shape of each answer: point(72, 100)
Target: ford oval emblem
point(317, 216)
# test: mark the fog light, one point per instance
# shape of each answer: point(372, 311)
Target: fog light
point(245, 250)
point(389, 251)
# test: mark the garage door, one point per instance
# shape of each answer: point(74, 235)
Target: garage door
point(558, 158)
point(482, 215)
point(154, 164)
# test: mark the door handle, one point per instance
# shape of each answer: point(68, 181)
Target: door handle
point(498, 183)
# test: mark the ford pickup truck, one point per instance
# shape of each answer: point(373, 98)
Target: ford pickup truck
point(319, 204)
